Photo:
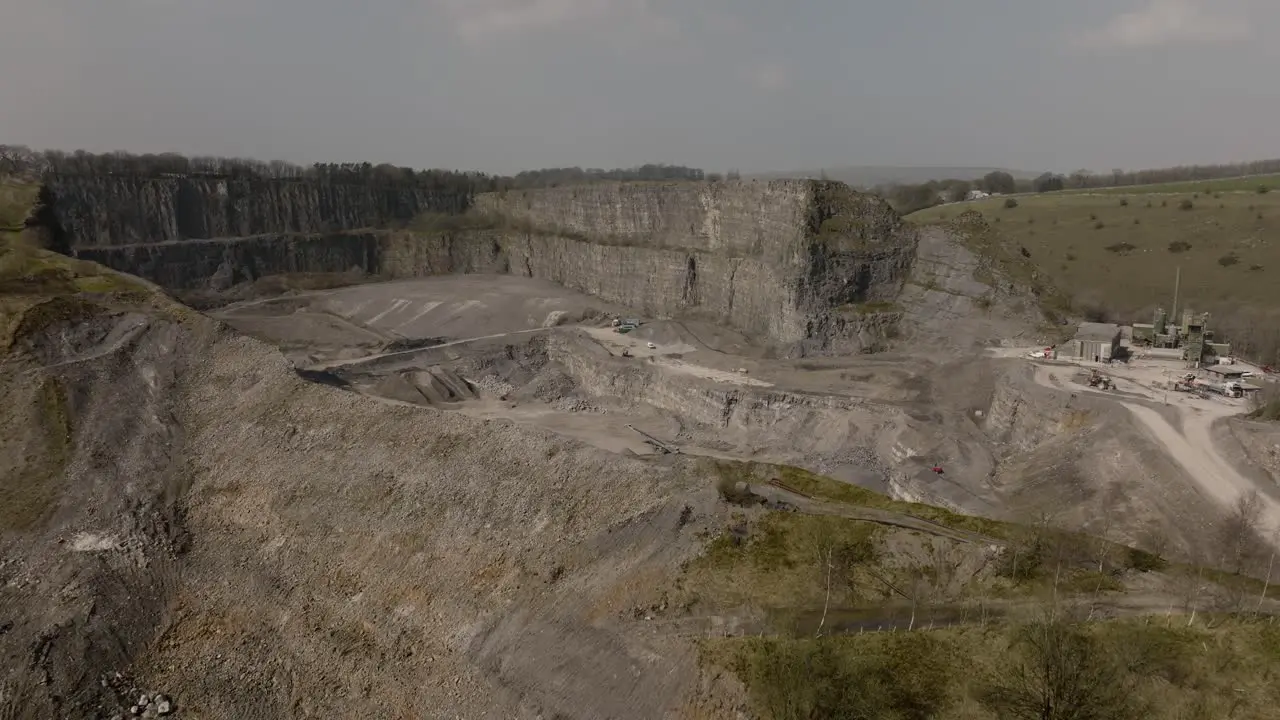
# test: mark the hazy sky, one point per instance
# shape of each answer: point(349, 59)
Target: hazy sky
point(501, 85)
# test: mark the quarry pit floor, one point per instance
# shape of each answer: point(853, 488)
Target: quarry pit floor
point(530, 352)
point(478, 345)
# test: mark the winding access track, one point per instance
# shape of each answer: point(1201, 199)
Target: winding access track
point(1192, 447)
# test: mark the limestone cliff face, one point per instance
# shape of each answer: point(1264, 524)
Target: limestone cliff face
point(791, 261)
point(98, 211)
point(811, 267)
point(765, 220)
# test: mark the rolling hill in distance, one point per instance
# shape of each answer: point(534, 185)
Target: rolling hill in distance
point(873, 175)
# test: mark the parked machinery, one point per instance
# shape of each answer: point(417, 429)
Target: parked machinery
point(1189, 383)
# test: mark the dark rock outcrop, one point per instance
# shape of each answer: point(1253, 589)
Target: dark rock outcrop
point(101, 211)
point(220, 264)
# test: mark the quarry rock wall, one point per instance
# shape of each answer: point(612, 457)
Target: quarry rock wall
point(796, 263)
point(765, 220)
point(742, 292)
point(787, 260)
point(103, 210)
point(744, 410)
point(1023, 415)
point(219, 264)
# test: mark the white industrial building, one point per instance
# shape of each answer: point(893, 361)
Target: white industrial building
point(1100, 341)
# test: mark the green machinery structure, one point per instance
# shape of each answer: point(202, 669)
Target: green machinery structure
point(1192, 335)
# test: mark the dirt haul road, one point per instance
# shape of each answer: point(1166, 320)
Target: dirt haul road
point(1192, 447)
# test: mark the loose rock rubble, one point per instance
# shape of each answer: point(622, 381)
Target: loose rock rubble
point(122, 699)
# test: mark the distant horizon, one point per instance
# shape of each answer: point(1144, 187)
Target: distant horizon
point(920, 172)
point(744, 170)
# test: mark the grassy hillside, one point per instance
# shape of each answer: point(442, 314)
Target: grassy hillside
point(872, 175)
point(865, 607)
point(40, 288)
point(1116, 254)
point(16, 199)
point(1119, 669)
point(1250, 183)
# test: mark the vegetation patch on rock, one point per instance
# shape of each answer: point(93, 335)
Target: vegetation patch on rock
point(847, 219)
point(1053, 668)
point(41, 289)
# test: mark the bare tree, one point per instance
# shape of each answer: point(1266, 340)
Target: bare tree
point(850, 557)
point(921, 592)
point(944, 568)
point(838, 560)
point(999, 181)
point(1154, 539)
point(826, 603)
point(1110, 503)
point(1060, 674)
point(1271, 564)
point(19, 160)
point(1237, 534)
point(1189, 584)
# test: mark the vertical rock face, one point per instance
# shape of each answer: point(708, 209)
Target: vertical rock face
point(219, 264)
point(791, 261)
point(98, 211)
point(763, 220)
point(811, 267)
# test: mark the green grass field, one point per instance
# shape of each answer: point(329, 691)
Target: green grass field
point(1120, 251)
